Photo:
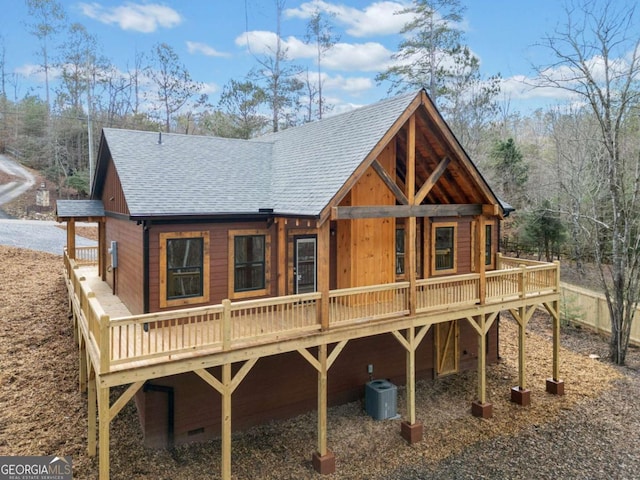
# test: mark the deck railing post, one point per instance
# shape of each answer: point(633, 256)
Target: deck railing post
point(557, 285)
point(499, 261)
point(105, 344)
point(226, 324)
point(522, 281)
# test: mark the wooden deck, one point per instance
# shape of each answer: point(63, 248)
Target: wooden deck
point(118, 341)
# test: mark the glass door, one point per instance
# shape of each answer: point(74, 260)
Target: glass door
point(304, 269)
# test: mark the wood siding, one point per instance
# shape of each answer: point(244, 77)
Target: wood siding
point(218, 257)
point(112, 194)
point(366, 247)
point(282, 386)
point(129, 275)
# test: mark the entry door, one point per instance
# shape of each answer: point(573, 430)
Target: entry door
point(447, 338)
point(304, 269)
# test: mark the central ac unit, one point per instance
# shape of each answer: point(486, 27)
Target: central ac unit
point(381, 399)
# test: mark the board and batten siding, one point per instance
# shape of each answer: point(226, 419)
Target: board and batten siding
point(112, 195)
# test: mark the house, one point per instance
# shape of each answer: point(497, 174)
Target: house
point(262, 278)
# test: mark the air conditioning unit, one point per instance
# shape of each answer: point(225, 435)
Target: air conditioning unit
point(381, 399)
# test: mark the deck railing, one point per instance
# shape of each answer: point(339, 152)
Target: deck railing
point(86, 255)
point(117, 343)
point(363, 304)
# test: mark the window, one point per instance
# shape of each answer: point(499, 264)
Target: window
point(184, 268)
point(249, 263)
point(399, 251)
point(444, 246)
point(488, 254)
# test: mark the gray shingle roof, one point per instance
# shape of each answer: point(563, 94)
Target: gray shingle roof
point(313, 161)
point(296, 171)
point(79, 208)
point(189, 174)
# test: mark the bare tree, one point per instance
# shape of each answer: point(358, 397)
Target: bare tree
point(319, 32)
point(174, 86)
point(48, 16)
point(597, 60)
point(573, 132)
point(279, 79)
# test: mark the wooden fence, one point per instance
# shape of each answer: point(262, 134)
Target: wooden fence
point(588, 308)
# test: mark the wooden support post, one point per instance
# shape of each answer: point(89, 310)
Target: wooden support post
point(71, 238)
point(522, 380)
point(322, 400)
point(104, 421)
point(226, 421)
point(410, 232)
point(411, 430)
point(556, 341)
point(480, 252)
point(482, 408)
point(482, 360)
point(554, 384)
point(82, 370)
point(412, 267)
point(323, 460)
point(411, 376)
point(91, 414)
point(520, 394)
point(324, 240)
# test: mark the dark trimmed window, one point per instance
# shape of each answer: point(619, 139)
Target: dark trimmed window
point(249, 262)
point(184, 267)
point(399, 251)
point(487, 245)
point(444, 243)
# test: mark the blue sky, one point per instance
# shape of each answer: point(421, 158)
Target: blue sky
point(210, 37)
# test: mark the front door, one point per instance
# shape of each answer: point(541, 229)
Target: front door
point(304, 265)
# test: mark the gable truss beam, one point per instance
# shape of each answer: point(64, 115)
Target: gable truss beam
point(432, 180)
point(386, 178)
point(405, 211)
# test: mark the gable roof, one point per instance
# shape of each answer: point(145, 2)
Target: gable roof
point(313, 161)
point(297, 171)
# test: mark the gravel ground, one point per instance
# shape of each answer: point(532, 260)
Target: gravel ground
point(591, 432)
point(40, 235)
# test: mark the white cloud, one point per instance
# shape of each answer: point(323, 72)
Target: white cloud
point(36, 72)
point(209, 88)
point(352, 85)
point(376, 19)
point(261, 42)
point(203, 48)
point(520, 87)
point(366, 57)
point(144, 18)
